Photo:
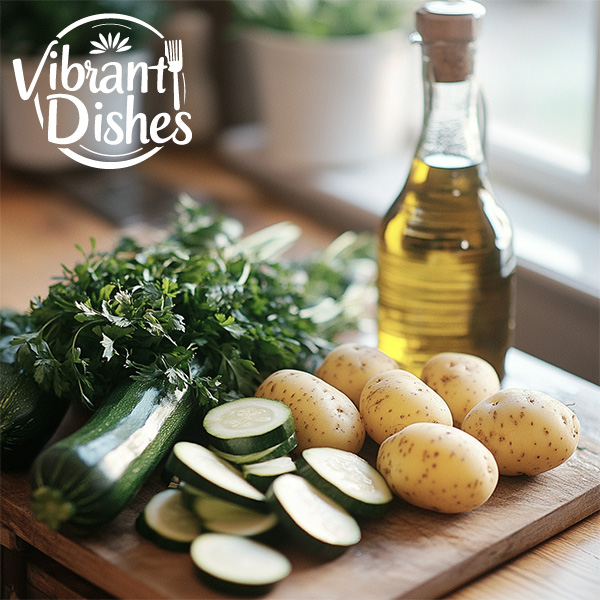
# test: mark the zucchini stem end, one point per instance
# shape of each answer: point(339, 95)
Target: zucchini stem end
point(50, 507)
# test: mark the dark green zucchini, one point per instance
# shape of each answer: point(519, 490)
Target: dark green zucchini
point(28, 417)
point(86, 479)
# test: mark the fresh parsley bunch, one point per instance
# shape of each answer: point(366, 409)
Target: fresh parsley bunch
point(204, 307)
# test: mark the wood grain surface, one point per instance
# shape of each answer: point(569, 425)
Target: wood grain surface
point(410, 553)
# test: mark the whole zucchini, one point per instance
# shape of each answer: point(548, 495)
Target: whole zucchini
point(28, 417)
point(87, 478)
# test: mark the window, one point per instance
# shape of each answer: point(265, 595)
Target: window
point(538, 63)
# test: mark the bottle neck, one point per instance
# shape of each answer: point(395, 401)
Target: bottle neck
point(452, 134)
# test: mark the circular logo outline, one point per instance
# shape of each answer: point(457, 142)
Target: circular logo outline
point(90, 162)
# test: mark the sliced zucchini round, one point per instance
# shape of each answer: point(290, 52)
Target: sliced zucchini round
point(221, 516)
point(201, 468)
point(262, 474)
point(274, 452)
point(248, 425)
point(236, 565)
point(190, 493)
point(167, 522)
point(347, 478)
point(312, 518)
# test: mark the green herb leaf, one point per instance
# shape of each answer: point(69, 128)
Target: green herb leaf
point(204, 307)
point(109, 347)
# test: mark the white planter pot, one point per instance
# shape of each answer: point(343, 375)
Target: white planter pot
point(25, 142)
point(329, 102)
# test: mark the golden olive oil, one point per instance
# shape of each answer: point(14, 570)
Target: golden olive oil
point(445, 267)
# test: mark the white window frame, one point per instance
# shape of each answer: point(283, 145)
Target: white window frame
point(562, 184)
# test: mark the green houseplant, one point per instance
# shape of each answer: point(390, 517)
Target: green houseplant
point(323, 18)
point(330, 78)
point(27, 26)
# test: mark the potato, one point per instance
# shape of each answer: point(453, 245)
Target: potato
point(323, 415)
point(395, 399)
point(528, 432)
point(349, 366)
point(438, 467)
point(462, 380)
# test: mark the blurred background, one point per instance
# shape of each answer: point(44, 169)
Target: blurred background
point(321, 101)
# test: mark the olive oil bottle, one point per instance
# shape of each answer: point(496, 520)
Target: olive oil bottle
point(446, 262)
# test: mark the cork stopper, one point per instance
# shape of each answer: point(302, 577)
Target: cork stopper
point(447, 29)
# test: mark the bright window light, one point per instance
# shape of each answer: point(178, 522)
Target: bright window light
point(537, 62)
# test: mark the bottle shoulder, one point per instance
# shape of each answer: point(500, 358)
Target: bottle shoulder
point(456, 188)
point(448, 203)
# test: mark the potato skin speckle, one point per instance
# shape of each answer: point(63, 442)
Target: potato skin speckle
point(394, 399)
point(349, 366)
point(462, 380)
point(438, 467)
point(323, 416)
point(527, 431)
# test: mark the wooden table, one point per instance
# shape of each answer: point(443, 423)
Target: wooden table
point(40, 226)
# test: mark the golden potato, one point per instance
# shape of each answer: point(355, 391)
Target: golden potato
point(323, 416)
point(438, 467)
point(528, 432)
point(349, 366)
point(462, 380)
point(397, 398)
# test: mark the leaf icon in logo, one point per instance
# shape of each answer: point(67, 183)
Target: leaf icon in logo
point(110, 43)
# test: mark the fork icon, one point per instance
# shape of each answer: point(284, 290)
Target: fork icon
point(174, 55)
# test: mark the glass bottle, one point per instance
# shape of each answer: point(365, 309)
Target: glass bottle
point(446, 261)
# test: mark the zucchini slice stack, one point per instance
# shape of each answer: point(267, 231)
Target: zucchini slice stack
point(262, 474)
point(215, 516)
point(218, 515)
point(200, 467)
point(250, 430)
point(242, 490)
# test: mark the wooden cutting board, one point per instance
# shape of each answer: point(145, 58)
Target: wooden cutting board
point(409, 553)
